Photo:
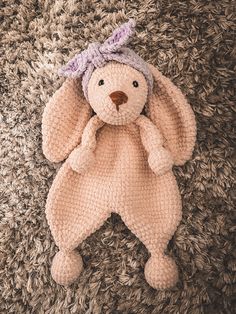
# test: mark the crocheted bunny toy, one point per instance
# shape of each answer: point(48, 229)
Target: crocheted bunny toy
point(121, 126)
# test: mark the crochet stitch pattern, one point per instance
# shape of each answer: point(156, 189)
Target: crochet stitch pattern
point(117, 160)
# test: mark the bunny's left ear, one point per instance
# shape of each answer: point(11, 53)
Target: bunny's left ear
point(64, 119)
point(170, 112)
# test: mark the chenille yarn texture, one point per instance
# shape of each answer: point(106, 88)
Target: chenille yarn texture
point(118, 160)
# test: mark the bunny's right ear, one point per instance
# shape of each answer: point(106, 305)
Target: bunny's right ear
point(169, 110)
point(64, 119)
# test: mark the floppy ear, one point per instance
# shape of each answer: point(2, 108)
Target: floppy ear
point(170, 112)
point(64, 119)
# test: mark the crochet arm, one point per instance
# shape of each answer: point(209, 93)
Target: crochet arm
point(89, 135)
point(82, 156)
point(159, 159)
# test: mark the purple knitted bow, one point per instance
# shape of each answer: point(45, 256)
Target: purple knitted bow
point(98, 54)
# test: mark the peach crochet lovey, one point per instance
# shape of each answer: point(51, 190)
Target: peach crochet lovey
point(121, 142)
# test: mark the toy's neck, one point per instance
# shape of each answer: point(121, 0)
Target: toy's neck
point(125, 125)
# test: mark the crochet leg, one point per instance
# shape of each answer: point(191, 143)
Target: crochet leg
point(155, 227)
point(73, 212)
point(67, 263)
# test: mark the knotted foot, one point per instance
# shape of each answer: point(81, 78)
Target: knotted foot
point(161, 272)
point(66, 267)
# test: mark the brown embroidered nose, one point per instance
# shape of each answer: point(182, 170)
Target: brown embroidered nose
point(119, 98)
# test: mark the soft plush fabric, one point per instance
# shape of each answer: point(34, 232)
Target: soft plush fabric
point(190, 42)
point(120, 162)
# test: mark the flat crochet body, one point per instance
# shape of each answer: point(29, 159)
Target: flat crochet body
point(120, 180)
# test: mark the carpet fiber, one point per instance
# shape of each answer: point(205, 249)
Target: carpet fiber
point(191, 42)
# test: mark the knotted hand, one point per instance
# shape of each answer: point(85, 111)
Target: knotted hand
point(160, 161)
point(81, 159)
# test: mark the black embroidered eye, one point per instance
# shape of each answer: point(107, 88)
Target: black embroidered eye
point(135, 83)
point(101, 82)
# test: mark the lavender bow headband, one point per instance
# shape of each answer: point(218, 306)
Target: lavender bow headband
point(97, 55)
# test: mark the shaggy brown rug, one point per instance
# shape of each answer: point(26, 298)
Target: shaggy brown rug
point(191, 42)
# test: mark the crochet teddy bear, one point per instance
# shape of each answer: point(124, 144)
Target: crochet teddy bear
point(121, 126)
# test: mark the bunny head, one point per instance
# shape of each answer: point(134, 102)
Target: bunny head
point(115, 80)
point(115, 83)
point(117, 93)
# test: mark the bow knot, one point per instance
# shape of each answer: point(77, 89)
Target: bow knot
point(95, 56)
point(98, 54)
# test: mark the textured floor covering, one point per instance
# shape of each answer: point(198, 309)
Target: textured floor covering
point(192, 43)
